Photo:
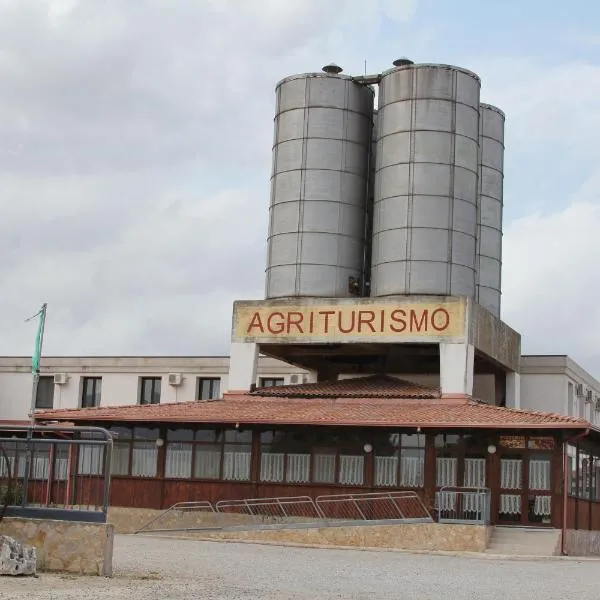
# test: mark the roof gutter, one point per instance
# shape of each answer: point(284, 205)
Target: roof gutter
point(563, 535)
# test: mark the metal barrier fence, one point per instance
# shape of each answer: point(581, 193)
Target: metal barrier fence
point(463, 505)
point(376, 506)
point(292, 512)
point(55, 472)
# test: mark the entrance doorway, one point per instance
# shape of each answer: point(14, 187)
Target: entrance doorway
point(525, 482)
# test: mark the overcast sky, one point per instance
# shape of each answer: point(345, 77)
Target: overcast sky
point(135, 140)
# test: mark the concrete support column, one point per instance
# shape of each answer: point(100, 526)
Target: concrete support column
point(243, 362)
point(456, 369)
point(327, 373)
point(513, 390)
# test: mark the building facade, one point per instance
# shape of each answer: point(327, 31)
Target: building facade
point(551, 383)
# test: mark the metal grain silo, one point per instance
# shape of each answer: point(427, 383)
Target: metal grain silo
point(425, 211)
point(323, 129)
point(489, 220)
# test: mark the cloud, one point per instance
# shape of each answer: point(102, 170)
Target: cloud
point(135, 142)
point(550, 289)
point(135, 159)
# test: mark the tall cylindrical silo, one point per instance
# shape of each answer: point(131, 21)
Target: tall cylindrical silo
point(489, 221)
point(425, 215)
point(369, 212)
point(323, 129)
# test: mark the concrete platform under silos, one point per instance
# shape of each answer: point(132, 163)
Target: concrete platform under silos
point(450, 336)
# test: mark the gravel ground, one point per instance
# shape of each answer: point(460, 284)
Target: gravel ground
point(167, 569)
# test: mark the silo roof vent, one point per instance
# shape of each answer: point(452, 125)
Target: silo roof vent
point(332, 69)
point(403, 62)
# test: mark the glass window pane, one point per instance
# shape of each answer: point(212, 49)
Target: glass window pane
point(209, 388)
point(180, 435)
point(324, 466)
point(236, 462)
point(237, 436)
point(206, 435)
point(145, 433)
point(178, 460)
point(352, 469)
point(45, 392)
point(121, 433)
point(120, 459)
point(208, 461)
point(143, 459)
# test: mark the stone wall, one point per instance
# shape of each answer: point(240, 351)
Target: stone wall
point(66, 546)
point(413, 536)
point(582, 543)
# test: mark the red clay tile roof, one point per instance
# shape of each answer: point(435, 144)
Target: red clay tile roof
point(248, 409)
point(373, 386)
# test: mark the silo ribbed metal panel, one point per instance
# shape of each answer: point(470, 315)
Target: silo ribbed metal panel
point(489, 222)
point(323, 129)
point(425, 215)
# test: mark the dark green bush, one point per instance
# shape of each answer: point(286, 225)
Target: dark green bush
point(14, 495)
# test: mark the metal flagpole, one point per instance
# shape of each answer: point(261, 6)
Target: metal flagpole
point(35, 370)
point(35, 359)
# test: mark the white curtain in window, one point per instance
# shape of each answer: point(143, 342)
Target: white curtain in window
point(542, 506)
point(324, 468)
point(386, 471)
point(61, 469)
point(40, 467)
point(178, 461)
point(90, 460)
point(236, 465)
point(143, 459)
point(539, 474)
point(445, 472)
point(19, 471)
point(352, 470)
point(120, 459)
point(445, 501)
point(510, 504)
point(271, 466)
point(298, 468)
point(475, 472)
point(411, 471)
point(510, 474)
point(208, 463)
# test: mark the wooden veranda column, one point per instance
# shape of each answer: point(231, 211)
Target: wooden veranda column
point(493, 479)
point(430, 476)
point(556, 483)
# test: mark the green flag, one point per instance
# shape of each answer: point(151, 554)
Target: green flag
point(37, 353)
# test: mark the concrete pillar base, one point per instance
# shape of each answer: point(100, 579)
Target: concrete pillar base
point(513, 390)
point(456, 369)
point(243, 364)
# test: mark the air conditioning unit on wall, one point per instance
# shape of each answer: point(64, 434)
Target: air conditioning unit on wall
point(175, 379)
point(60, 378)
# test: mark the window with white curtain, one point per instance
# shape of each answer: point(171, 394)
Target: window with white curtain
point(208, 454)
point(237, 455)
point(135, 451)
point(178, 453)
point(284, 457)
point(400, 460)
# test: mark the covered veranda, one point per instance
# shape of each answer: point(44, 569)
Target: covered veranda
point(359, 435)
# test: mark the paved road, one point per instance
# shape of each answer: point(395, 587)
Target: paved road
point(166, 569)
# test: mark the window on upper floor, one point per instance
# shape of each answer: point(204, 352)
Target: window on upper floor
point(208, 388)
point(150, 390)
point(91, 390)
point(44, 397)
point(570, 393)
point(270, 381)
